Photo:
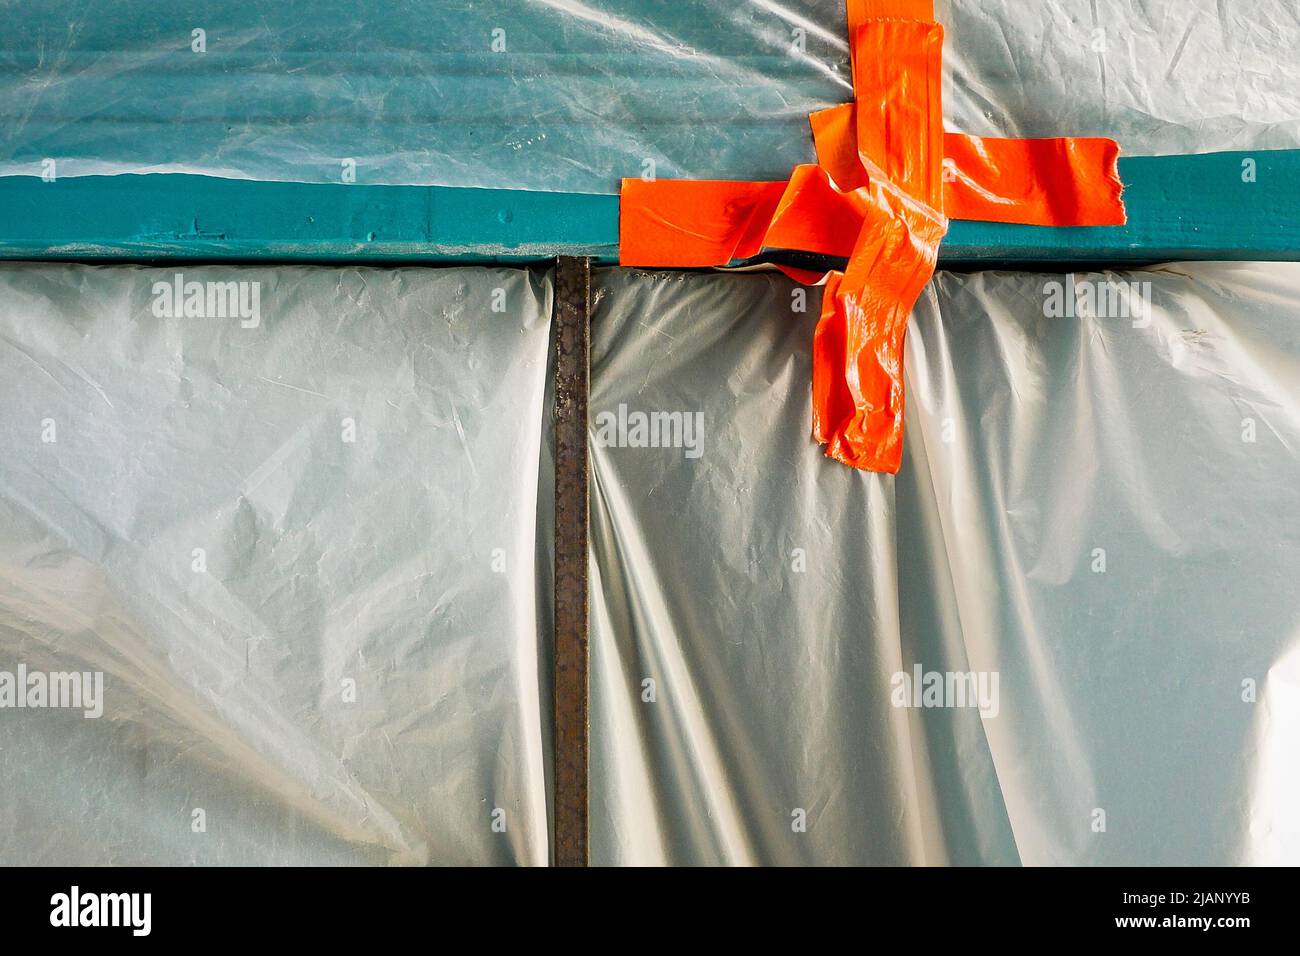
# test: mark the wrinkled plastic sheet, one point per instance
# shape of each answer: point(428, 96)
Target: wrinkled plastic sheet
point(752, 602)
point(404, 561)
point(759, 702)
point(1097, 512)
point(573, 95)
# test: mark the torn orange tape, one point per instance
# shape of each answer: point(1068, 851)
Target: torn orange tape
point(887, 180)
point(860, 10)
point(1069, 181)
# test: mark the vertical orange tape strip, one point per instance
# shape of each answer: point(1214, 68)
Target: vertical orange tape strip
point(898, 82)
point(858, 345)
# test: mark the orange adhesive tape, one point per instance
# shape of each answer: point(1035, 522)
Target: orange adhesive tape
point(857, 387)
point(690, 223)
point(1039, 182)
point(687, 223)
point(860, 10)
point(1067, 181)
point(897, 80)
point(887, 179)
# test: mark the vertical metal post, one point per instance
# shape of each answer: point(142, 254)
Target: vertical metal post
point(572, 366)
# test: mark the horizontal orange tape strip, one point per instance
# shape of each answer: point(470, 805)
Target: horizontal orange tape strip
point(1066, 181)
point(700, 223)
point(691, 223)
point(1070, 181)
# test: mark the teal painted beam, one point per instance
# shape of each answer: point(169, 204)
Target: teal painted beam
point(1180, 207)
point(200, 217)
point(1213, 206)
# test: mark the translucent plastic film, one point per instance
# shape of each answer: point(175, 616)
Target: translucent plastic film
point(299, 542)
point(743, 598)
point(1065, 634)
point(576, 94)
point(1100, 505)
point(289, 538)
point(1195, 76)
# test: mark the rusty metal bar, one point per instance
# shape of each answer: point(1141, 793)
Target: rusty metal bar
point(572, 367)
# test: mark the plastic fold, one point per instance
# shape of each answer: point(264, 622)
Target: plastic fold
point(304, 554)
point(338, 651)
point(1087, 532)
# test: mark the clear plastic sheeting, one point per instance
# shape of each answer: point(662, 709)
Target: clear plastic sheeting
point(1065, 634)
point(299, 545)
point(565, 95)
point(743, 592)
point(306, 546)
point(1190, 76)
point(572, 95)
point(1103, 510)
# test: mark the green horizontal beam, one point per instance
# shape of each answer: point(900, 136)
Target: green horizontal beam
point(1212, 206)
point(201, 217)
